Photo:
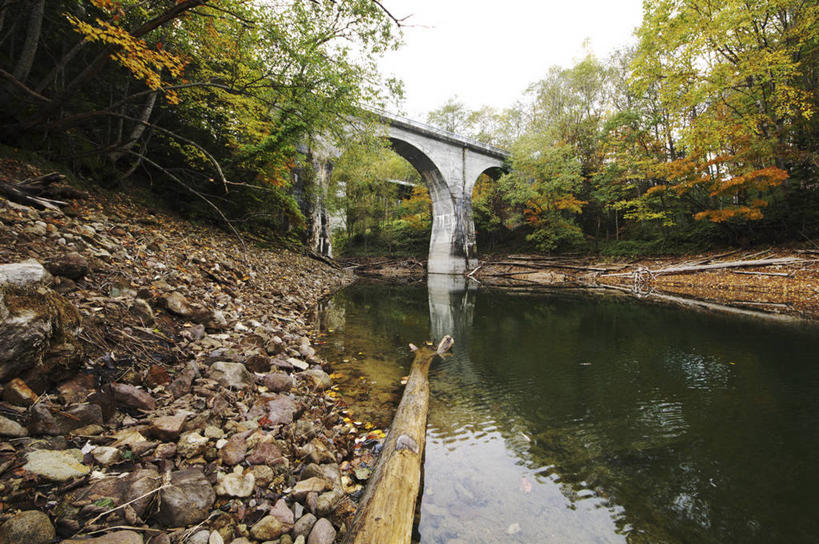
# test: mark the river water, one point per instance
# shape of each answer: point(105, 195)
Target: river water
point(568, 417)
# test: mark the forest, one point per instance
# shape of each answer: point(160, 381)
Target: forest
point(702, 133)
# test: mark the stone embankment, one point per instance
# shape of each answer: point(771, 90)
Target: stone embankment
point(159, 384)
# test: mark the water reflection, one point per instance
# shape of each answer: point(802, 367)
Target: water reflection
point(563, 418)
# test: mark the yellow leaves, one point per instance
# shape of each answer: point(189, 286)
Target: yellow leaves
point(656, 189)
point(132, 53)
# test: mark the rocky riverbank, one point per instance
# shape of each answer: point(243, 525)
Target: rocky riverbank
point(159, 384)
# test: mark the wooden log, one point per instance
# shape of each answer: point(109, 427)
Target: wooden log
point(386, 511)
point(715, 266)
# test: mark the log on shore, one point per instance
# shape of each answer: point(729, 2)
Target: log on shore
point(715, 266)
point(386, 511)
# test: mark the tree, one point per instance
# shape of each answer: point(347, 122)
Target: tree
point(730, 74)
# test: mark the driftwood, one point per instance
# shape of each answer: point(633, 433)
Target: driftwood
point(40, 191)
point(385, 514)
point(551, 265)
point(715, 266)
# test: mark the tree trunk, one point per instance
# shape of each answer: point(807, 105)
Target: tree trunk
point(386, 511)
point(35, 25)
point(139, 128)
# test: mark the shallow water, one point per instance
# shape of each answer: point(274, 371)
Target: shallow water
point(580, 418)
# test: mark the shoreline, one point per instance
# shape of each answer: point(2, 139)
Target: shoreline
point(182, 399)
point(787, 289)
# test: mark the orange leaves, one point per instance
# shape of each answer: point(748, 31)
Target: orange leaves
point(760, 180)
point(133, 53)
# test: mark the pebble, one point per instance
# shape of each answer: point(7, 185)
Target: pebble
point(322, 533)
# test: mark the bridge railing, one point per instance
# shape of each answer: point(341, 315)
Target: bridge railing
point(445, 134)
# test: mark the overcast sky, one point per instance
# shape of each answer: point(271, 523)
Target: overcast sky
point(488, 51)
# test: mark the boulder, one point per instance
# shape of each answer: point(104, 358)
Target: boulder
point(29, 527)
point(26, 274)
point(187, 500)
point(38, 330)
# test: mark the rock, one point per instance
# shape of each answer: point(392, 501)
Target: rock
point(167, 427)
point(258, 363)
point(326, 502)
point(310, 485)
point(215, 538)
point(274, 346)
point(513, 529)
point(298, 363)
point(234, 451)
point(28, 527)
point(267, 528)
point(17, 392)
point(265, 453)
point(278, 382)
point(322, 533)
point(77, 389)
point(156, 376)
point(11, 428)
point(236, 484)
point(56, 465)
point(142, 310)
point(304, 525)
point(133, 397)
point(318, 452)
point(38, 329)
point(106, 455)
point(187, 501)
point(178, 304)
point(191, 444)
point(114, 537)
point(316, 378)
point(282, 363)
point(182, 384)
point(42, 421)
point(242, 540)
point(280, 411)
point(199, 537)
point(215, 321)
point(165, 451)
point(282, 512)
point(330, 473)
point(70, 265)
point(120, 490)
point(232, 375)
point(23, 274)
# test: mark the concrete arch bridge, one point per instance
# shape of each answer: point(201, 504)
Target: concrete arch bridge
point(449, 165)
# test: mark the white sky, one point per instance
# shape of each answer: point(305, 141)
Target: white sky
point(488, 51)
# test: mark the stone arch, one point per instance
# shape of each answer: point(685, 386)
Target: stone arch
point(452, 242)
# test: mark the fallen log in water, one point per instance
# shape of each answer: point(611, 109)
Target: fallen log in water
point(385, 513)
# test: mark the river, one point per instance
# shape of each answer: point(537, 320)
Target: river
point(570, 417)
